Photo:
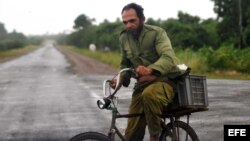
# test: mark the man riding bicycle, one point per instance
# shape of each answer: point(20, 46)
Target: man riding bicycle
point(148, 50)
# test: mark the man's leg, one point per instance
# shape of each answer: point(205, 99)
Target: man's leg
point(155, 97)
point(135, 130)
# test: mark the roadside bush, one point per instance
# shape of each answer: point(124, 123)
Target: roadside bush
point(192, 59)
point(2, 47)
point(224, 58)
point(243, 63)
point(11, 44)
point(206, 53)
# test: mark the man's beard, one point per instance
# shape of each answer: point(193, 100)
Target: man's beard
point(136, 32)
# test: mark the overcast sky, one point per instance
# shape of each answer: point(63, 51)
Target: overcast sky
point(56, 16)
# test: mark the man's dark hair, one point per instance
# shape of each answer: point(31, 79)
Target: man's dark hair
point(136, 7)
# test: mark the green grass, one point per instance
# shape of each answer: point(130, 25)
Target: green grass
point(111, 58)
point(5, 55)
point(228, 75)
point(192, 60)
point(196, 61)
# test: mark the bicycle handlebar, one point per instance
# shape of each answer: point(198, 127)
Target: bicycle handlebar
point(106, 101)
point(117, 86)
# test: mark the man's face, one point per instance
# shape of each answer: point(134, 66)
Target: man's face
point(131, 21)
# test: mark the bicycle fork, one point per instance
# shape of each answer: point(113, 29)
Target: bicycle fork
point(172, 131)
point(113, 129)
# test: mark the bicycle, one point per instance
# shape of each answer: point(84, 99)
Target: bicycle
point(174, 130)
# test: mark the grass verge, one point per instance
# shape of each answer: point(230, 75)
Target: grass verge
point(110, 58)
point(10, 54)
point(194, 61)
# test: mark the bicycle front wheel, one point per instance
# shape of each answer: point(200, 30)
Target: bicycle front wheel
point(180, 131)
point(90, 136)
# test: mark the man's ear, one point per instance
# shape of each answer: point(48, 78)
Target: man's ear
point(143, 19)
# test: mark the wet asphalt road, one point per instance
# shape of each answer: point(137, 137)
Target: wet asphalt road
point(41, 100)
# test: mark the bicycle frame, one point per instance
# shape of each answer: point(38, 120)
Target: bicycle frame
point(113, 129)
point(172, 130)
point(115, 115)
point(109, 104)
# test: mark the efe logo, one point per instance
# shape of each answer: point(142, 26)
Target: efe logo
point(237, 132)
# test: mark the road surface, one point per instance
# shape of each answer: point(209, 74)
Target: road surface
point(42, 100)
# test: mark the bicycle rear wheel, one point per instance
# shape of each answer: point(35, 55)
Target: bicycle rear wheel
point(90, 136)
point(183, 131)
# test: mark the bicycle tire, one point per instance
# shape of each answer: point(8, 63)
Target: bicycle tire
point(186, 132)
point(90, 136)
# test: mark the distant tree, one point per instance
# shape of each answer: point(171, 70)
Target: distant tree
point(82, 22)
point(3, 31)
point(233, 17)
point(186, 31)
point(188, 19)
point(11, 40)
point(17, 36)
point(151, 21)
point(210, 26)
point(75, 38)
point(15, 40)
point(85, 30)
point(190, 32)
point(108, 34)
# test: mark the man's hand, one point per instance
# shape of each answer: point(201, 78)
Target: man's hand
point(145, 74)
point(113, 84)
point(142, 70)
point(146, 78)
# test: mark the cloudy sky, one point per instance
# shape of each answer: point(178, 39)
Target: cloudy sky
point(56, 16)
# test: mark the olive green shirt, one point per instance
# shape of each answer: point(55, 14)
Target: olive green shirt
point(152, 48)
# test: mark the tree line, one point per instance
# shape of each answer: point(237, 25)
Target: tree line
point(231, 27)
point(11, 40)
point(15, 40)
point(222, 43)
